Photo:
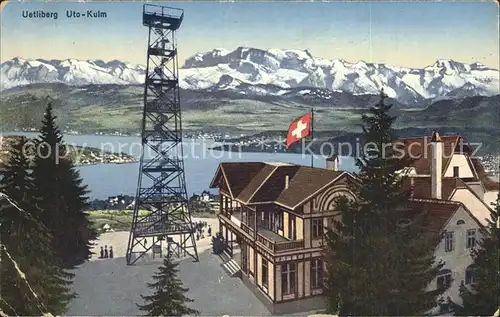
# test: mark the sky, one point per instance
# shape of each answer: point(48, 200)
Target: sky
point(411, 34)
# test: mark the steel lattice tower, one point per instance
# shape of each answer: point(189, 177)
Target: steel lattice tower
point(161, 186)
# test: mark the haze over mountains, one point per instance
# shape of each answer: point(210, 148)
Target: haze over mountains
point(255, 72)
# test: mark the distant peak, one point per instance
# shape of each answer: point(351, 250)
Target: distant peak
point(18, 60)
point(219, 52)
point(447, 63)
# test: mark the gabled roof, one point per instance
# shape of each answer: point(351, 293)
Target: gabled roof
point(488, 183)
point(306, 182)
point(439, 212)
point(274, 185)
point(265, 182)
point(422, 189)
point(423, 186)
point(419, 148)
point(236, 175)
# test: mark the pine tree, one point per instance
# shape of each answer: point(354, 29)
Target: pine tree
point(482, 299)
point(28, 242)
point(61, 196)
point(169, 297)
point(376, 265)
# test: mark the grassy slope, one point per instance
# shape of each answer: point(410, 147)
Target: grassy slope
point(121, 220)
point(118, 219)
point(118, 108)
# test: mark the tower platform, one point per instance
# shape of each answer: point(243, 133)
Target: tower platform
point(162, 17)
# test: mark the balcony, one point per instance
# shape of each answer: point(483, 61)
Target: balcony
point(234, 220)
point(277, 243)
point(236, 216)
point(246, 229)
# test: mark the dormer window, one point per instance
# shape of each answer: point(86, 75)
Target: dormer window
point(456, 171)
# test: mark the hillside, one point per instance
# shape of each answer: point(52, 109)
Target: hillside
point(109, 108)
point(476, 112)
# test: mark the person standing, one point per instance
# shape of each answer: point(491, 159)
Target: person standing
point(105, 251)
point(209, 230)
point(110, 251)
point(102, 253)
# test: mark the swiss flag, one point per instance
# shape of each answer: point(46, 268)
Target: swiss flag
point(299, 129)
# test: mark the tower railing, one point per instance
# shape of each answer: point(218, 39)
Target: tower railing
point(155, 15)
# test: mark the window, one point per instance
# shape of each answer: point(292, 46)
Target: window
point(278, 218)
point(471, 238)
point(460, 222)
point(316, 273)
point(317, 228)
point(288, 279)
point(469, 275)
point(448, 241)
point(444, 279)
point(292, 234)
point(251, 218)
point(265, 276)
point(456, 171)
point(331, 223)
point(244, 215)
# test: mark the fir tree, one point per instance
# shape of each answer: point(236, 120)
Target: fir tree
point(61, 196)
point(28, 242)
point(375, 264)
point(481, 298)
point(169, 297)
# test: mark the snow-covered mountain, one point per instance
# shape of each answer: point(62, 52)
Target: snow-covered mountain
point(253, 71)
point(18, 72)
point(295, 68)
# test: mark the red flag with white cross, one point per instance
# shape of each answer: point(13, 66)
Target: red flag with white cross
point(299, 129)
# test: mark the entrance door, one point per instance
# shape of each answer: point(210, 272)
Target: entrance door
point(244, 257)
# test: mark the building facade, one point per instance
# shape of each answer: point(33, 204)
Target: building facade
point(461, 232)
point(272, 217)
point(446, 172)
point(445, 168)
point(276, 214)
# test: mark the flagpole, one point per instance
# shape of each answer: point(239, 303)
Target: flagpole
point(312, 135)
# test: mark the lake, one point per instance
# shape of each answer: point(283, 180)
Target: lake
point(200, 163)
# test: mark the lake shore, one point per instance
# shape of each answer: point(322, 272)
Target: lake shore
point(80, 155)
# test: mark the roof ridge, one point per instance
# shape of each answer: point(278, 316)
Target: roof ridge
point(436, 200)
point(275, 168)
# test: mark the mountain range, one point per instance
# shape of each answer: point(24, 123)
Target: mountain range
point(274, 72)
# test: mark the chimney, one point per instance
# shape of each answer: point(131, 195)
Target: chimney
point(287, 180)
point(436, 165)
point(332, 163)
